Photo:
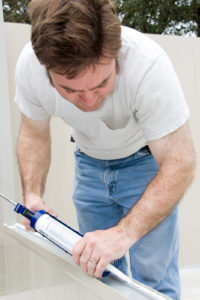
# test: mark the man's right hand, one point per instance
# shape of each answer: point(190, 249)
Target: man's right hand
point(35, 203)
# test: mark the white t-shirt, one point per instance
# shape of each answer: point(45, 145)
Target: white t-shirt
point(146, 104)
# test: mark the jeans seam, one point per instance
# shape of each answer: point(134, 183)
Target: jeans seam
point(171, 280)
point(169, 261)
point(168, 273)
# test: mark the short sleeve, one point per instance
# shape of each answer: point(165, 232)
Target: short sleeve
point(25, 95)
point(160, 106)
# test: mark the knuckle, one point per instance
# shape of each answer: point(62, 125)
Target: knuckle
point(74, 252)
point(91, 240)
point(92, 244)
point(107, 254)
point(75, 260)
point(91, 272)
point(82, 260)
point(102, 266)
point(98, 273)
point(87, 235)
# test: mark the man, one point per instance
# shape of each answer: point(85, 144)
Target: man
point(134, 160)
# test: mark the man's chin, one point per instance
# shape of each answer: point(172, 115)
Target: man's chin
point(89, 109)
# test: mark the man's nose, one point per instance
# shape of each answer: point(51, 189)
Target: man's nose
point(89, 97)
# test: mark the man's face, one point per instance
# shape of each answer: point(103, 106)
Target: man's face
point(88, 90)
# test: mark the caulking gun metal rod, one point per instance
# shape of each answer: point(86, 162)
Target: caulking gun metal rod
point(4, 197)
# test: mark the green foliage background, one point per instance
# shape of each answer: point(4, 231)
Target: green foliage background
point(161, 16)
point(15, 11)
point(156, 16)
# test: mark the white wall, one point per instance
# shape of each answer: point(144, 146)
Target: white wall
point(184, 55)
point(6, 156)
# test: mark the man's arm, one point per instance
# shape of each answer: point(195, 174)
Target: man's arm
point(175, 156)
point(34, 154)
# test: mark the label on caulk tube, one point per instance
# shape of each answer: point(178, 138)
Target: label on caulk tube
point(57, 232)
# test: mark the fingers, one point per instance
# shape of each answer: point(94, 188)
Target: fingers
point(100, 268)
point(50, 211)
point(35, 203)
point(89, 256)
point(26, 223)
point(85, 258)
point(81, 254)
point(78, 250)
point(93, 264)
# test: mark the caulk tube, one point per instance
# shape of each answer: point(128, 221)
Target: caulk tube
point(54, 230)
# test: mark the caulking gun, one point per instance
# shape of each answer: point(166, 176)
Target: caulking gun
point(66, 237)
point(50, 227)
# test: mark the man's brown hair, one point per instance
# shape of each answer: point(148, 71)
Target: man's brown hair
point(69, 36)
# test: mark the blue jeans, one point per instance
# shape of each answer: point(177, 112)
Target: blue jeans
point(104, 192)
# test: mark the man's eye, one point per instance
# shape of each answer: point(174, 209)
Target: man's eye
point(69, 90)
point(103, 84)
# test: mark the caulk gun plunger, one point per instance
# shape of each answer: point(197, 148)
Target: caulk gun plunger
point(4, 197)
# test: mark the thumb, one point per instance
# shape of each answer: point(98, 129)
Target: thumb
point(50, 211)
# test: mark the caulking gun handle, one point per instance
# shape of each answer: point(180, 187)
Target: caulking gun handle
point(22, 210)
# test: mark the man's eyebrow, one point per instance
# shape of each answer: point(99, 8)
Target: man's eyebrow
point(104, 81)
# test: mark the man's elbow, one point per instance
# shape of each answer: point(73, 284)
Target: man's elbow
point(188, 168)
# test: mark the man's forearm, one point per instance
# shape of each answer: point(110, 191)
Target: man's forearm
point(159, 199)
point(34, 160)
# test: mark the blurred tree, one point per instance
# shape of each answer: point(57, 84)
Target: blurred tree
point(160, 16)
point(15, 11)
point(154, 16)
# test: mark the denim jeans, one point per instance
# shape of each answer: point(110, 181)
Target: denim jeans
point(104, 192)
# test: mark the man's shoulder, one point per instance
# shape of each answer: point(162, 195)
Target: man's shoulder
point(28, 63)
point(140, 45)
point(27, 55)
point(138, 54)
point(29, 70)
